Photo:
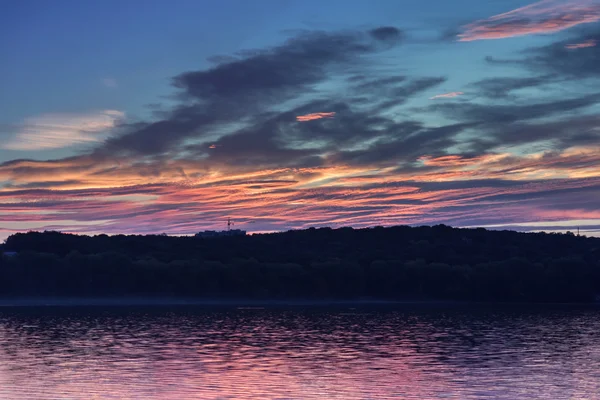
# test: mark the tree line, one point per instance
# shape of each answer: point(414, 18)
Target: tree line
point(396, 263)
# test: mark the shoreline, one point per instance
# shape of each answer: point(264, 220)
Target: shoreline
point(256, 304)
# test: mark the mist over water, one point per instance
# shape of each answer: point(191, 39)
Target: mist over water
point(407, 352)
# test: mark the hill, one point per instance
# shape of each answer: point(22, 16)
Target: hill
point(396, 263)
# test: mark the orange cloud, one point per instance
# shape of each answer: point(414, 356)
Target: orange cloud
point(313, 116)
point(453, 160)
point(546, 16)
point(183, 197)
point(587, 43)
point(446, 95)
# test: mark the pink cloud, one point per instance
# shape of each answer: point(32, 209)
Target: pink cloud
point(546, 16)
point(583, 45)
point(278, 199)
point(446, 95)
point(453, 160)
point(313, 116)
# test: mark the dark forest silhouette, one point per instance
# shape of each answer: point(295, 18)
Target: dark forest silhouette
point(397, 263)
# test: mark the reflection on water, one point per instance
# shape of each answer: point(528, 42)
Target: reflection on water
point(192, 353)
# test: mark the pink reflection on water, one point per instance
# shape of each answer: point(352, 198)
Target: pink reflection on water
point(293, 355)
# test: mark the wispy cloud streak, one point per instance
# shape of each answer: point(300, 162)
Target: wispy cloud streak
point(583, 45)
point(546, 16)
point(453, 189)
point(314, 116)
point(51, 131)
point(446, 95)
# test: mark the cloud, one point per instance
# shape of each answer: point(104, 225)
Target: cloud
point(254, 88)
point(250, 85)
point(302, 60)
point(405, 142)
point(522, 125)
point(274, 200)
point(491, 114)
point(110, 83)
point(502, 88)
point(573, 58)
point(558, 134)
point(447, 95)
point(314, 116)
point(451, 160)
point(542, 17)
point(417, 85)
point(387, 34)
point(51, 131)
point(457, 189)
point(366, 83)
point(583, 45)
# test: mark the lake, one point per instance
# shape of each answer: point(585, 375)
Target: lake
point(343, 352)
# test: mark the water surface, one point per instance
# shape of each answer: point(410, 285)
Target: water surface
point(409, 352)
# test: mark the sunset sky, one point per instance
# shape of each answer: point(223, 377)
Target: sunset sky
point(148, 116)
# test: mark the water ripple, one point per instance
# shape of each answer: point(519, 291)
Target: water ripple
point(194, 353)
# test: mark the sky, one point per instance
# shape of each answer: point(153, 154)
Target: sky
point(153, 116)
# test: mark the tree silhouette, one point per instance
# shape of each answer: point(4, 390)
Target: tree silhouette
point(394, 263)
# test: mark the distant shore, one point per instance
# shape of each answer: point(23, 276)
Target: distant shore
point(249, 303)
point(392, 265)
point(174, 301)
